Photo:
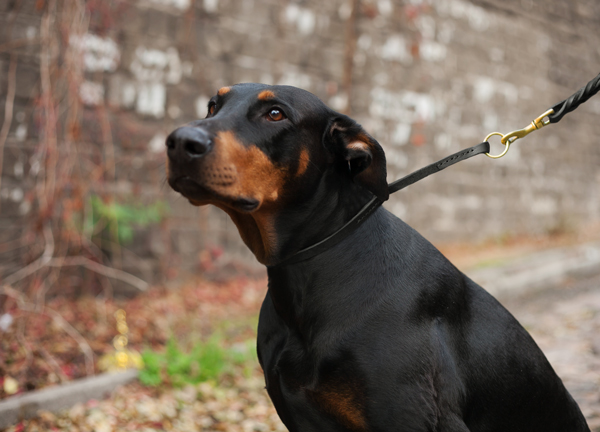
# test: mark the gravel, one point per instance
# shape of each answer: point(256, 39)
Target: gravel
point(564, 321)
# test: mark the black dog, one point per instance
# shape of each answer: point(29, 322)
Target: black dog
point(380, 332)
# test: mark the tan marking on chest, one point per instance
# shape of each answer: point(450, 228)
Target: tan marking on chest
point(344, 403)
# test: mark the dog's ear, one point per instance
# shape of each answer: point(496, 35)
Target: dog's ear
point(366, 159)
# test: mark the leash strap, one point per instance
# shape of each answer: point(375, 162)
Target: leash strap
point(462, 155)
point(571, 103)
point(555, 114)
point(372, 205)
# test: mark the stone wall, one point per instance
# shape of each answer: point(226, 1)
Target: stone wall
point(425, 78)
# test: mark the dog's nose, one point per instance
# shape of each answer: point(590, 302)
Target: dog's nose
point(191, 141)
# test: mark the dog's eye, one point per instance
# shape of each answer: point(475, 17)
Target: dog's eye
point(211, 108)
point(276, 115)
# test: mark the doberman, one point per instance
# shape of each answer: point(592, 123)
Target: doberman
point(379, 332)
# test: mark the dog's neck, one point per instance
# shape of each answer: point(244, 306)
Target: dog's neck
point(311, 222)
point(274, 234)
point(337, 272)
point(257, 232)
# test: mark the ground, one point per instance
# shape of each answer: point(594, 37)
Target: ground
point(565, 323)
point(564, 320)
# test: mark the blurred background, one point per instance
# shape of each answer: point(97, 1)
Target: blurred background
point(89, 90)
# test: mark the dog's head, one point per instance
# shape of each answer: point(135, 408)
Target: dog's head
point(262, 150)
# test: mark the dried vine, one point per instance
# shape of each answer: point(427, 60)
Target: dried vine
point(53, 239)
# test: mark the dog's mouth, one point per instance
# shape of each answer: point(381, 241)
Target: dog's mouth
point(199, 195)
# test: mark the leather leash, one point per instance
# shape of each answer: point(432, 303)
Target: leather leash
point(372, 205)
point(553, 115)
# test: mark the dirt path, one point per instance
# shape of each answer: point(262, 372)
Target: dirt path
point(565, 322)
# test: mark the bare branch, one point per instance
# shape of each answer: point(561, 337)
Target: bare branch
point(47, 260)
point(46, 195)
point(17, 43)
point(100, 269)
point(8, 108)
point(26, 306)
point(51, 361)
point(37, 264)
point(20, 333)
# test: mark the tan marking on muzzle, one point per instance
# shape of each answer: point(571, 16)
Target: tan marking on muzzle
point(257, 177)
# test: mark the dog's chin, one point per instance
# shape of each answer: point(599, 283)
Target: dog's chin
point(199, 195)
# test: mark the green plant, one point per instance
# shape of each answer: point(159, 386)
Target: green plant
point(151, 374)
point(207, 361)
point(119, 219)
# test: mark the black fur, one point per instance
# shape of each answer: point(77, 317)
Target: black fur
point(381, 332)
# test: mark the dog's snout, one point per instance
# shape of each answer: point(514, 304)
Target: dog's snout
point(190, 141)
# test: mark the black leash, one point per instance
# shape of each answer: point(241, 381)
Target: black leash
point(579, 97)
point(554, 115)
point(372, 205)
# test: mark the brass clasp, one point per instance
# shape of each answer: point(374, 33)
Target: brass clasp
point(507, 146)
point(538, 123)
point(511, 137)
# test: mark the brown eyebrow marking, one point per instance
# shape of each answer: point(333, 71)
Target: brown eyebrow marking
point(266, 95)
point(223, 90)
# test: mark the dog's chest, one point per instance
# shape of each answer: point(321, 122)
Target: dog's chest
point(305, 391)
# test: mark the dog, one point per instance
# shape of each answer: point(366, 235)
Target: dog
point(379, 332)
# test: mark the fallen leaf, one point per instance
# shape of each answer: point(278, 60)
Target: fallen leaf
point(11, 385)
